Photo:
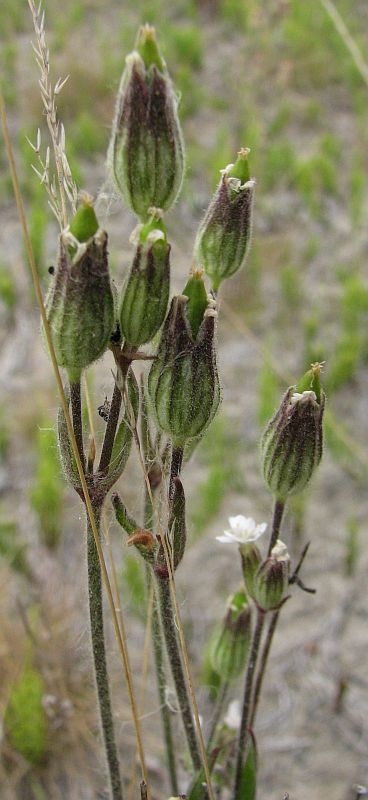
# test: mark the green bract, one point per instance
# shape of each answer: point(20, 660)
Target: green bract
point(146, 152)
point(223, 237)
point(183, 381)
point(292, 443)
point(146, 293)
point(80, 306)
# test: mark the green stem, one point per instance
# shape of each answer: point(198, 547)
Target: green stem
point(99, 658)
point(169, 629)
point(76, 408)
point(278, 513)
point(158, 649)
point(177, 455)
point(123, 363)
point(161, 685)
point(263, 664)
point(247, 700)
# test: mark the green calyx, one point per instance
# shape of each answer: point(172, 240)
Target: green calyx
point(145, 295)
point(230, 646)
point(147, 48)
point(241, 167)
point(311, 381)
point(84, 224)
point(195, 291)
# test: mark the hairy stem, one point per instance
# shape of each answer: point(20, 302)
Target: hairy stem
point(263, 663)
point(76, 408)
point(99, 658)
point(175, 468)
point(278, 512)
point(158, 649)
point(169, 628)
point(247, 701)
point(161, 684)
point(123, 364)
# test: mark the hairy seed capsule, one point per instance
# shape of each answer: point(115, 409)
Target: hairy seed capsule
point(146, 293)
point(223, 238)
point(80, 306)
point(230, 648)
point(183, 381)
point(146, 153)
point(272, 579)
point(292, 443)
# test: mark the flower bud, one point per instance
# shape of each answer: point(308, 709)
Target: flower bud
point(183, 381)
point(80, 306)
point(146, 152)
point(251, 560)
point(223, 237)
point(292, 443)
point(195, 291)
point(231, 646)
point(272, 579)
point(146, 294)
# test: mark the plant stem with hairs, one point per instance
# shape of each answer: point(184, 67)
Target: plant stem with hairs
point(158, 649)
point(161, 684)
point(278, 513)
point(263, 664)
point(247, 702)
point(99, 659)
point(169, 628)
point(76, 407)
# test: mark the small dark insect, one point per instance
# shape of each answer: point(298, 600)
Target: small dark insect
point(51, 270)
point(104, 410)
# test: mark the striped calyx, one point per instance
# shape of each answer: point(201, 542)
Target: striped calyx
point(230, 647)
point(183, 381)
point(79, 305)
point(292, 443)
point(146, 153)
point(223, 237)
point(146, 293)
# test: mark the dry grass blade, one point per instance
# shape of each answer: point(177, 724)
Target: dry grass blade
point(66, 185)
point(39, 297)
point(347, 38)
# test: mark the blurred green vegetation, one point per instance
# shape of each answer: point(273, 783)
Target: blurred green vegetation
point(47, 490)
point(219, 454)
point(25, 719)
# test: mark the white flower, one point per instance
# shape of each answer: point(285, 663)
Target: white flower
point(233, 715)
point(243, 530)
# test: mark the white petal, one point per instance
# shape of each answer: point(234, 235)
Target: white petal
point(237, 523)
